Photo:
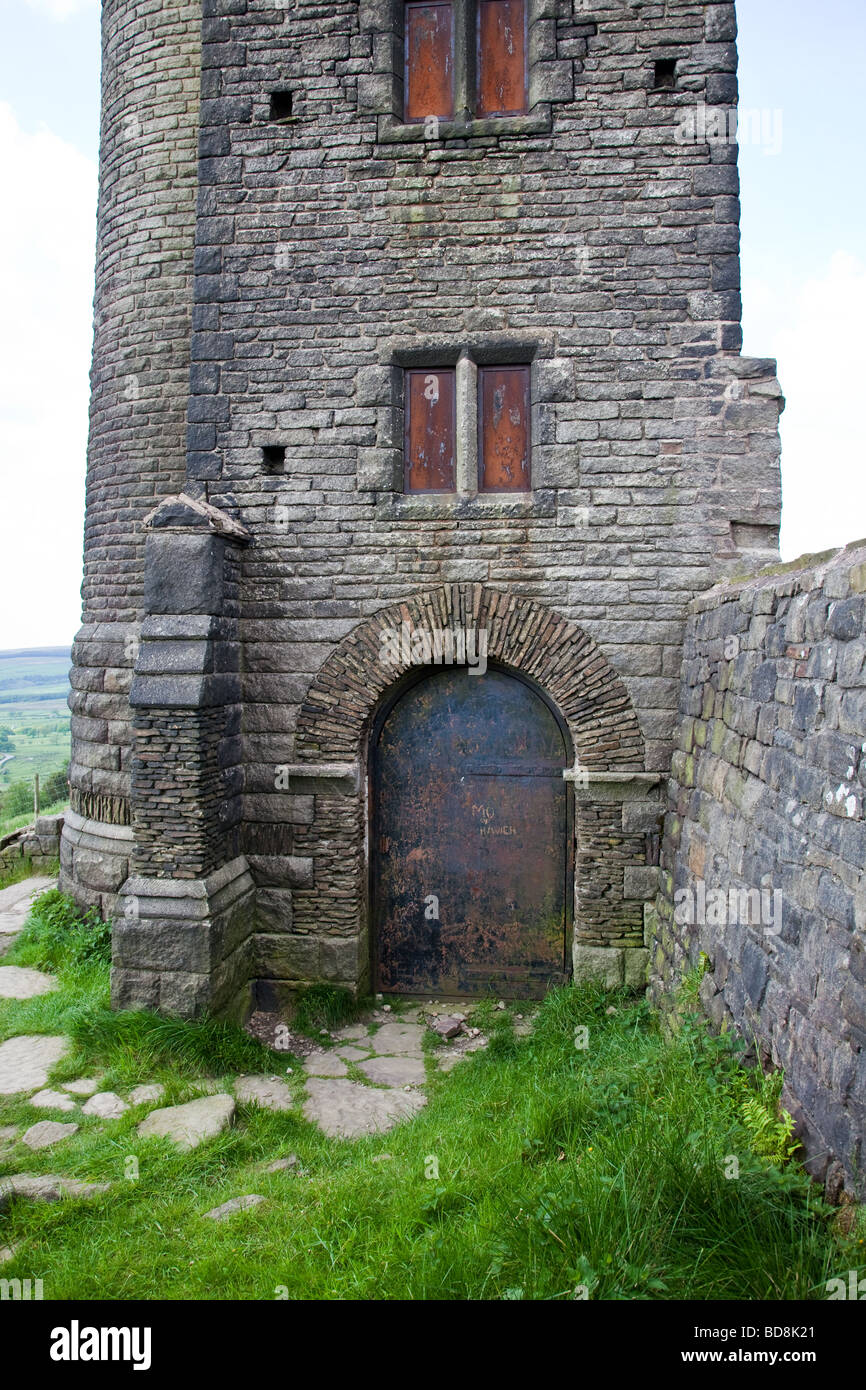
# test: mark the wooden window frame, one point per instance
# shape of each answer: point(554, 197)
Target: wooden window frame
point(380, 387)
point(381, 91)
point(467, 424)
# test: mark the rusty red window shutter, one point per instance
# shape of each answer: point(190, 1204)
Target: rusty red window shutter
point(429, 74)
point(503, 429)
point(431, 430)
point(502, 50)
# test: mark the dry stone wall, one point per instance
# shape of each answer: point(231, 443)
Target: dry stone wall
point(764, 852)
point(38, 843)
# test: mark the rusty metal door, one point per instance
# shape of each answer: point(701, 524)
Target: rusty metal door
point(471, 839)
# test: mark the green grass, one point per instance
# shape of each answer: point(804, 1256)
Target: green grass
point(17, 870)
point(325, 1007)
point(537, 1169)
point(26, 818)
point(128, 1047)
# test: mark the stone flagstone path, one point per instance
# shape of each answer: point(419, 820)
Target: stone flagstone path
point(15, 903)
point(387, 1052)
point(357, 1107)
point(18, 983)
point(46, 1133)
point(25, 1062)
point(371, 1080)
point(188, 1125)
point(47, 1187)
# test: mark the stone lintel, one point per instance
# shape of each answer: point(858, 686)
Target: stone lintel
point(393, 131)
point(612, 786)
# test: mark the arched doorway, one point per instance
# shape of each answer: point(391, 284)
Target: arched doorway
point(472, 833)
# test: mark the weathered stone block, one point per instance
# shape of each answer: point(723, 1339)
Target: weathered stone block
point(340, 958)
point(555, 379)
point(151, 944)
point(281, 871)
point(101, 872)
point(636, 968)
point(640, 882)
point(184, 573)
point(602, 965)
point(640, 816)
point(287, 957)
point(274, 910)
point(135, 989)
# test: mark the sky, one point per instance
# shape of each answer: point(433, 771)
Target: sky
point(804, 279)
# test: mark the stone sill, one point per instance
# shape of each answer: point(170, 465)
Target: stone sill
point(197, 894)
point(438, 506)
point(309, 778)
point(394, 132)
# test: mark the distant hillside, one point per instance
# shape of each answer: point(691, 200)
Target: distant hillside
point(34, 723)
point(37, 651)
point(34, 676)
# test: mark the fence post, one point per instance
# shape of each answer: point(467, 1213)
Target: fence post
point(36, 796)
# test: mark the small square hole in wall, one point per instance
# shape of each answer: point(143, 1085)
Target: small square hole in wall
point(274, 458)
point(665, 76)
point(281, 106)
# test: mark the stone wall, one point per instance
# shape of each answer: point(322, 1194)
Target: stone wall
point(139, 390)
point(339, 246)
point(764, 848)
point(334, 247)
point(39, 843)
point(182, 943)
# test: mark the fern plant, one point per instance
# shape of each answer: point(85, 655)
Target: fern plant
point(690, 985)
point(769, 1126)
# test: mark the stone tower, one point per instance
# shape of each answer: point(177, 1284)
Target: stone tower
point(417, 342)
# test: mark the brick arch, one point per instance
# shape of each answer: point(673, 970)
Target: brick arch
point(521, 634)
